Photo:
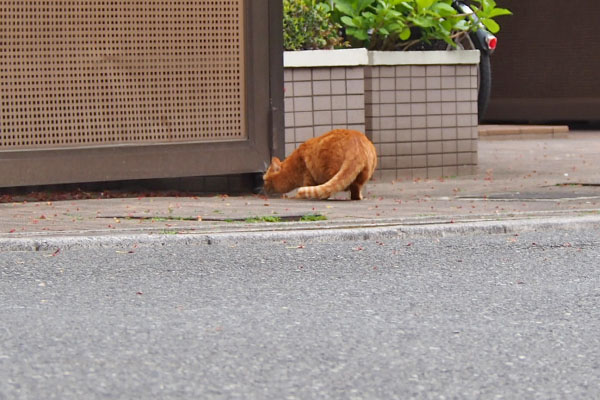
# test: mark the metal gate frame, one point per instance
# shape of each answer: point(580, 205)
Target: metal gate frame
point(264, 106)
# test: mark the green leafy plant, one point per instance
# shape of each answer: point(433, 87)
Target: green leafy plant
point(308, 25)
point(402, 24)
point(487, 11)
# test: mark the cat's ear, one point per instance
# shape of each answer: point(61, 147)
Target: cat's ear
point(275, 164)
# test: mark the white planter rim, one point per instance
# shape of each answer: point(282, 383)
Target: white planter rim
point(325, 58)
point(434, 57)
point(358, 57)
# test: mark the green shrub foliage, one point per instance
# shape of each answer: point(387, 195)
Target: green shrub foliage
point(383, 24)
point(308, 25)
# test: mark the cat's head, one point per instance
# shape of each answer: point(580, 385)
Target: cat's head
point(271, 183)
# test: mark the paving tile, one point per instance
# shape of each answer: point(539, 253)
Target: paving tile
point(355, 86)
point(417, 70)
point(302, 74)
point(402, 71)
point(322, 87)
point(303, 104)
point(319, 74)
point(321, 103)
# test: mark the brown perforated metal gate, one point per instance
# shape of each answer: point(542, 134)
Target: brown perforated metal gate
point(109, 90)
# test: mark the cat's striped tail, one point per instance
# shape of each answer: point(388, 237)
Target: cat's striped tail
point(340, 181)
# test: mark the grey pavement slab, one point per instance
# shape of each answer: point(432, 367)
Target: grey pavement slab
point(515, 179)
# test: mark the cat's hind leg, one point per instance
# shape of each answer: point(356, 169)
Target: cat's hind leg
point(355, 192)
point(357, 185)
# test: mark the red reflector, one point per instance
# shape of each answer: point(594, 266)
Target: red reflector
point(492, 42)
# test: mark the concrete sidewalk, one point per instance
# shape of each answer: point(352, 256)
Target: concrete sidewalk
point(517, 180)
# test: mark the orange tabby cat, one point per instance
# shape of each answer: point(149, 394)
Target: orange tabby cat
point(338, 160)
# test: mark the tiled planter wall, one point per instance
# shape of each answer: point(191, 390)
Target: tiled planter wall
point(318, 100)
point(421, 118)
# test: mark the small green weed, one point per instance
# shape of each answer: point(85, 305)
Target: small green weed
point(263, 219)
point(313, 217)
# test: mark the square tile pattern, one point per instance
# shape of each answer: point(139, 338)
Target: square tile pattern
point(318, 100)
point(422, 119)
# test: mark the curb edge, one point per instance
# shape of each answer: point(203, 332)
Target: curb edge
point(402, 231)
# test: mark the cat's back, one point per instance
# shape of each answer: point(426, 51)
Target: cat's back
point(337, 139)
point(325, 154)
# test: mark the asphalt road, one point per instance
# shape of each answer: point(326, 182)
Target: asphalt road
point(467, 317)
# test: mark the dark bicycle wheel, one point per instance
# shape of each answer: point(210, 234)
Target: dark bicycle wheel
point(485, 84)
point(484, 75)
